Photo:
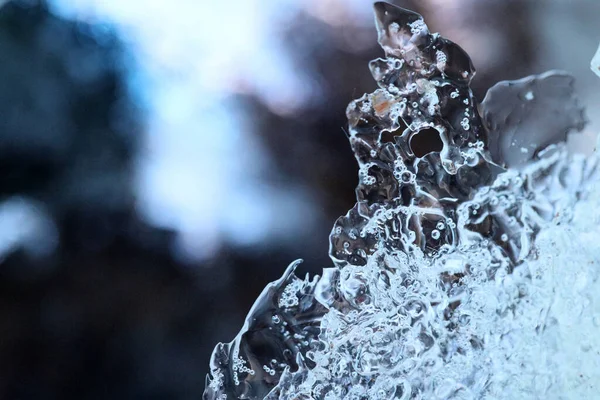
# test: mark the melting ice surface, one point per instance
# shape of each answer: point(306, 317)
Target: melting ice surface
point(468, 268)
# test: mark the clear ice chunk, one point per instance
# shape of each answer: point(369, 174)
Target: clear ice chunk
point(468, 268)
point(280, 328)
point(524, 117)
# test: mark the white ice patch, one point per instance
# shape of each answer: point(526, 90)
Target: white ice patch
point(596, 63)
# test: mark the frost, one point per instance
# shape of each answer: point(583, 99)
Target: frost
point(468, 268)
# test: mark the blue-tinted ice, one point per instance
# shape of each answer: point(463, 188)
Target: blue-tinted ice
point(467, 268)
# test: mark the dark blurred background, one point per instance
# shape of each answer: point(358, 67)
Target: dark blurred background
point(161, 162)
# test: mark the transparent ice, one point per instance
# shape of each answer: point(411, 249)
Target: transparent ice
point(468, 268)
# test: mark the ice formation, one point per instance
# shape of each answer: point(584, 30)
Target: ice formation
point(468, 269)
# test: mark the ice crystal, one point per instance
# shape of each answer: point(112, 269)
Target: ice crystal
point(468, 268)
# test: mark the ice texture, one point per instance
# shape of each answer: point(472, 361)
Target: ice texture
point(468, 268)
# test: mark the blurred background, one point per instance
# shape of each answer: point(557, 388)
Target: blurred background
point(161, 162)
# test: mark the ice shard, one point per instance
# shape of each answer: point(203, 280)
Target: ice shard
point(526, 116)
point(282, 325)
point(467, 269)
